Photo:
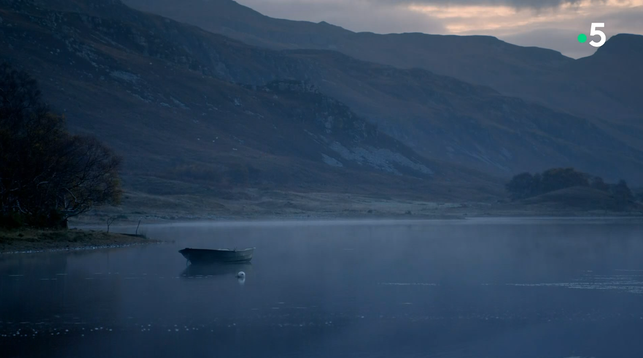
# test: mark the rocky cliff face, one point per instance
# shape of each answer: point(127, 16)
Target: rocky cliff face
point(162, 95)
point(601, 88)
point(440, 117)
point(154, 75)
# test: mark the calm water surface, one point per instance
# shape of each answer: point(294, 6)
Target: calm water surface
point(477, 288)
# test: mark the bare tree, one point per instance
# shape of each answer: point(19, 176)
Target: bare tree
point(110, 221)
point(46, 174)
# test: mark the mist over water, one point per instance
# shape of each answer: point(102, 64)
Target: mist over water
point(474, 288)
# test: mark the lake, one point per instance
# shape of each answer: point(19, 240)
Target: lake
point(537, 287)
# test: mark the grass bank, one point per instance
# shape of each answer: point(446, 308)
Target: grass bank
point(29, 240)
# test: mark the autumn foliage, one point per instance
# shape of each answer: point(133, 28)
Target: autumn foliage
point(46, 174)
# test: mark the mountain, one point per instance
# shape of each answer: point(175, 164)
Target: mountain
point(602, 87)
point(441, 118)
point(609, 84)
point(138, 82)
point(476, 59)
point(468, 124)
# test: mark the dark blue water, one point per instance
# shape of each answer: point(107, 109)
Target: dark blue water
point(476, 288)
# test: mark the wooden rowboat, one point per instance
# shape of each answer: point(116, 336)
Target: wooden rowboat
point(205, 256)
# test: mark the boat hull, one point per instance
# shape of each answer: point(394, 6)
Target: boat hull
point(203, 256)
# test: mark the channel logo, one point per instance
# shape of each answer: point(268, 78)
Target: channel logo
point(582, 38)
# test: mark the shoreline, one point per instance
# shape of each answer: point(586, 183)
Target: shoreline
point(87, 234)
point(96, 221)
point(129, 224)
point(262, 205)
point(21, 241)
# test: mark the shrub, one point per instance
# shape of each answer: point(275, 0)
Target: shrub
point(46, 174)
point(526, 185)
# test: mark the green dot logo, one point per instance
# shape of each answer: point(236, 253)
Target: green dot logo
point(582, 38)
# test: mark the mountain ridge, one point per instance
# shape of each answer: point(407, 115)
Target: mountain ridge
point(441, 117)
point(622, 44)
point(540, 75)
point(231, 19)
point(203, 129)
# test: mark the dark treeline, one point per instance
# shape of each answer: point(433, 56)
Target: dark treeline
point(46, 174)
point(527, 185)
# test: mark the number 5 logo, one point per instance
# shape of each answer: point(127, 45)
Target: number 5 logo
point(594, 32)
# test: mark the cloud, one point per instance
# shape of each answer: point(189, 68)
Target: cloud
point(516, 4)
point(356, 15)
point(561, 36)
point(551, 24)
point(559, 29)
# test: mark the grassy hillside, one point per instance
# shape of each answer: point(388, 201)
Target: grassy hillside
point(601, 88)
point(200, 116)
point(142, 84)
point(585, 198)
point(30, 240)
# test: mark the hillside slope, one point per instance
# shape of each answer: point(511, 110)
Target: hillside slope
point(440, 117)
point(476, 59)
point(142, 91)
point(601, 88)
point(608, 87)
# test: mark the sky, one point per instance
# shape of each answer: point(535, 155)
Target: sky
point(553, 24)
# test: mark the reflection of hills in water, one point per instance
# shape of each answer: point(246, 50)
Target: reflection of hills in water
point(218, 269)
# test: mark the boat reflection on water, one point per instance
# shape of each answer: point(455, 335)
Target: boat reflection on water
point(217, 269)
